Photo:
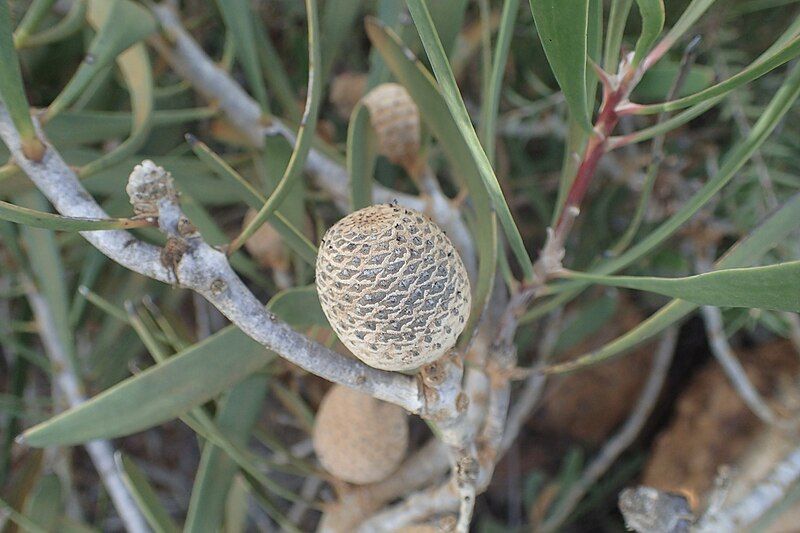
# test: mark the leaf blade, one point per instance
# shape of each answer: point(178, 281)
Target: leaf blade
point(775, 287)
point(563, 29)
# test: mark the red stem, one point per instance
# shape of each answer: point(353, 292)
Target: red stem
point(596, 147)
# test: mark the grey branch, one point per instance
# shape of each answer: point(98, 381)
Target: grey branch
point(626, 435)
point(100, 451)
point(192, 63)
point(745, 512)
point(735, 371)
point(206, 271)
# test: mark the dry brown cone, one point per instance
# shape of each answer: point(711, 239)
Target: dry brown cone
point(392, 287)
point(395, 119)
point(357, 438)
point(346, 90)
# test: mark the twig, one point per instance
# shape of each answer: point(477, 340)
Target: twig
point(206, 271)
point(100, 451)
point(436, 500)
point(722, 351)
point(738, 516)
point(428, 464)
point(626, 435)
point(189, 60)
point(721, 348)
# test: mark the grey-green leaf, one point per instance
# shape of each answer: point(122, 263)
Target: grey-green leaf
point(652, 12)
point(146, 498)
point(43, 219)
point(299, 306)
point(160, 393)
point(768, 287)
point(563, 28)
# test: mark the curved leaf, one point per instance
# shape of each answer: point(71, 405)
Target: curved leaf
point(111, 40)
point(361, 157)
point(652, 12)
point(747, 250)
point(422, 88)
point(452, 97)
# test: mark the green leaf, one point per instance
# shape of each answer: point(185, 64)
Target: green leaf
point(70, 24)
point(652, 12)
point(305, 134)
point(299, 306)
point(752, 72)
point(338, 18)
point(774, 287)
point(239, 21)
point(361, 156)
point(731, 164)
point(44, 257)
point(111, 40)
point(563, 26)
point(168, 390)
point(134, 64)
point(617, 18)
point(422, 88)
point(34, 15)
point(745, 252)
point(235, 419)
point(160, 393)
point(146, 498)
point(12, 91)
point(452, 97)
point(43, 219)
point(491, 102)
point(255, 199)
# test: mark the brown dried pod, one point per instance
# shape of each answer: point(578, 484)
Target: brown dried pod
point(395, 119)
point(346, 90)
point(357, 438)
point(392, 286)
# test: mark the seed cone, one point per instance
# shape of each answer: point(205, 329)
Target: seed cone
point(392, 287)
point(357, 438)
point(395, 119)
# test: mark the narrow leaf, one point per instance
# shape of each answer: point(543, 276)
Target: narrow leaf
point(452, 97)
point(305, 134)
point(768, 287)
point(746, 251)
point(45, 220)
point(752, 72)
point(563, 26)
point(239, 20)
point(134, 64)
point(146, 498)
point(433, 111)
point(110, 41)
point(215, 474)
point(652, 12)
point(158, 394)
point(12, 90)
point(361, 157)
